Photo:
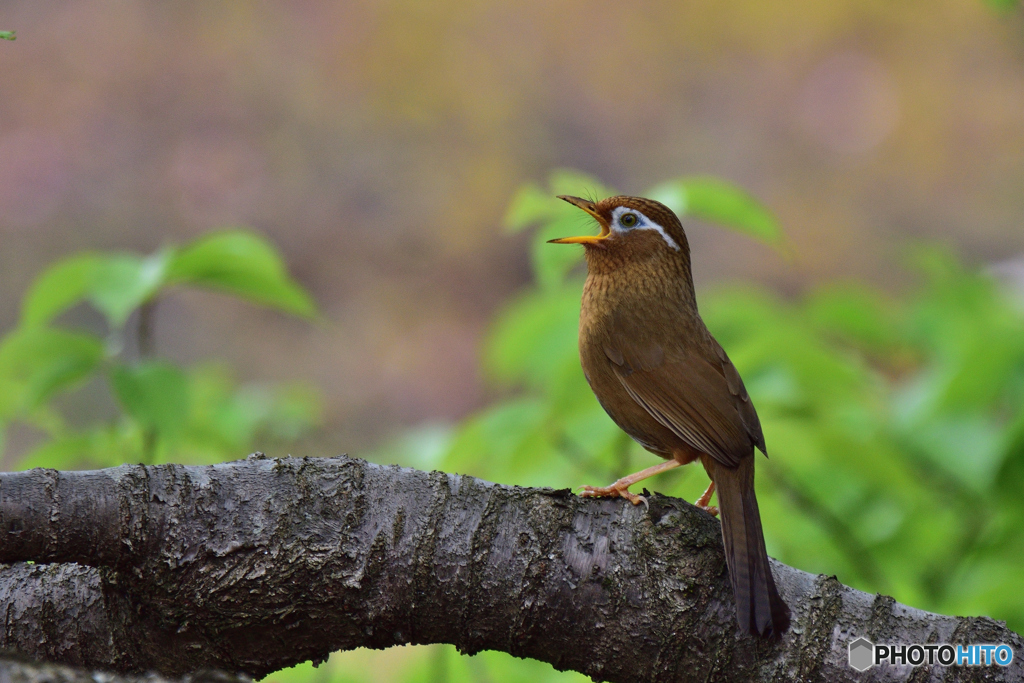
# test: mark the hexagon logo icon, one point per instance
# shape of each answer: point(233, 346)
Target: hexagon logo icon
point(862, 653)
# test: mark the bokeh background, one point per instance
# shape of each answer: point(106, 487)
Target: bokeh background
point(379, 145)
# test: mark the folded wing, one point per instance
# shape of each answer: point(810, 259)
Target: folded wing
point(701, 400)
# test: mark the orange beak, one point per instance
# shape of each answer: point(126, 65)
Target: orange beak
point(589, 207)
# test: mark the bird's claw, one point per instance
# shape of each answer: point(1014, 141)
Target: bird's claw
point(613, 492)
point(705, 498)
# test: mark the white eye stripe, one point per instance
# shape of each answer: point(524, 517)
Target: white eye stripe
point(644, 223)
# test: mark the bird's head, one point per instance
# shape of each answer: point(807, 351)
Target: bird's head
point(631, 228)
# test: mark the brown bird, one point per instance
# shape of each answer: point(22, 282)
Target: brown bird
point(662, 377)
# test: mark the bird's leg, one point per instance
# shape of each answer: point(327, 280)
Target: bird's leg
point(705, 498)
point(621, 487)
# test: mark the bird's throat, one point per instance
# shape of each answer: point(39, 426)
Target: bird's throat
point(640, 291)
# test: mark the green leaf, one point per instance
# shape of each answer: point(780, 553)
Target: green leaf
point(530, 205)
point(36, 363)
point(720, 202)
point(94, 447)
point(238, 262)
point(970, 449)
point(58, 288)
point(552, 262)
point(421, 447)
point(535, 337)
point(241, 263)
point(123, 282)
point(154, 393)
point(7, 35)
point(116, 284)
point(506, 431)
point(62, 453)
point(856, 313)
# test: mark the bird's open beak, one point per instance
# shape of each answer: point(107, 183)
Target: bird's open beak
point(590, 208)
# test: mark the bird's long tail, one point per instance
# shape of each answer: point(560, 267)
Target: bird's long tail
point(759, 608)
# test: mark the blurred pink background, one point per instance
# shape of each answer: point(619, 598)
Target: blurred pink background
point(378, 143)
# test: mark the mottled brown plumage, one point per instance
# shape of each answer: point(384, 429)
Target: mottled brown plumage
point(662, 377)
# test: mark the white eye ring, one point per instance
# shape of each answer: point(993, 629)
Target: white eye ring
point(642, 223)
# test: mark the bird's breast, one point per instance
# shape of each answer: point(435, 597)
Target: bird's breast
point(642, 311)
point(645, 323)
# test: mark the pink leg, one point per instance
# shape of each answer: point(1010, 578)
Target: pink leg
point(621, 487)
point(705, 498)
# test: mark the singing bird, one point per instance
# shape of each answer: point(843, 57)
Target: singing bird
point(662, 377)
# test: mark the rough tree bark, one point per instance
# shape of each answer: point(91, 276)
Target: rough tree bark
point(256, 565)
point(19, 670)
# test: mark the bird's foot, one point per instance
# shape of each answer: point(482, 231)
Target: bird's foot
point(620, 489)
point(613, 491)
point(705, 498)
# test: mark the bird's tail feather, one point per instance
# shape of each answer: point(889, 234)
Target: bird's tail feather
point(759, 608)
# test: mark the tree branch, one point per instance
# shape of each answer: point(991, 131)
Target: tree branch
point(257, 565)
point(19, 670)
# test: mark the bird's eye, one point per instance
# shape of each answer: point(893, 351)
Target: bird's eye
point(628, 220)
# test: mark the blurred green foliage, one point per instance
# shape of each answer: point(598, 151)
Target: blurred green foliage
point(895, 423)
point(167, 412)
point(7, 35)
point(1004, 5)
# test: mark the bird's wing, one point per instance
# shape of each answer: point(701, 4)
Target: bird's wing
point(744, 406)
point(703, 401)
